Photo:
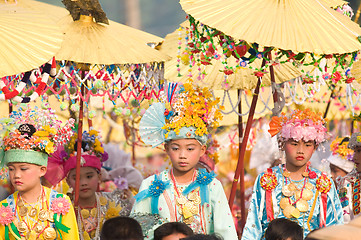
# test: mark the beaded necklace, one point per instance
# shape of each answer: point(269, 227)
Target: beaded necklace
point(80, 221)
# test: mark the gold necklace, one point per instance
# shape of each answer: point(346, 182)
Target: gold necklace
point(39, 228)
point(295, 200)
point(189, 205)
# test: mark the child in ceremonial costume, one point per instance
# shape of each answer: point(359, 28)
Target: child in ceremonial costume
point(349, 185)
point(94, 207)
point(340, 159)
point(294, 190)
point(33, 211)
point(184, 193)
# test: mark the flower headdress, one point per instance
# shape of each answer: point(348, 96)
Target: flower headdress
point(65, 158)
point(30, 135)
point(341, 155)
point(186, 112)
point(305, 125)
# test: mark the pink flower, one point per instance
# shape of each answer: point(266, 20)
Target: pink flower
point(286, 131)
point(296, 133)
point(310, 133)
point(60, 205)
point(336, 77)
point(6, 215)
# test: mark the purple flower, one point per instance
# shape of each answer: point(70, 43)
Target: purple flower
point(105, 156)
point(121, 183)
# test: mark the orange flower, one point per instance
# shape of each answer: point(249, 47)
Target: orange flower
point(275, 125)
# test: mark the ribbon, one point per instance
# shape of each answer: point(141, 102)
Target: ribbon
point(324, 206)
point(14, 231)
point(156, 188)
point(2, 156)
point(269, 204)
point(203, 179)
point(312, 209)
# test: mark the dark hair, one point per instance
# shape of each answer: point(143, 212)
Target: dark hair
point(213, 236)
point(282, 229)
point(172, 227)
point(121, 228)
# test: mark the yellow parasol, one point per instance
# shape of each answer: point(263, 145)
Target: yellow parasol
point(297, 25)
point(86, 41)
point(356, 71)
point(295, 29)
point(28, 38)
point(57, 13)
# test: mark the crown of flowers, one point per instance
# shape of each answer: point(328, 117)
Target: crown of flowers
point(37, 130)
point(341, 149)
point(306, 125)
point(193, 106)
point(91, 145)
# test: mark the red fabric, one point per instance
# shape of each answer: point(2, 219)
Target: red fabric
point(40, 88)
point(5, 90)
point(324, 205)
point(269, 204)
point(12, 94)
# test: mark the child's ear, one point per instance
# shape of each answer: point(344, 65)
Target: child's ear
point(43, 170)
point(203, 149)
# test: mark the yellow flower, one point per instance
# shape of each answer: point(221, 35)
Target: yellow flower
point(42, 139)
point(93, 132)
point(49, 147)
point(49, 129)
point(41, 134)
point(99, 149)
point(113, 211)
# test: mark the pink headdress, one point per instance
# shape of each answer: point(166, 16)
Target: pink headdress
point(64, 159)
point(305, 125)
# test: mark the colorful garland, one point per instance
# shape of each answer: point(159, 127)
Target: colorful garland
point(204, 41)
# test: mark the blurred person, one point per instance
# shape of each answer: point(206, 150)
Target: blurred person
point(121, 228)
point(283, 229)
point(204, 237)
point(349, 185)
point(349, 231)
point(172, 231)
point(340, 158)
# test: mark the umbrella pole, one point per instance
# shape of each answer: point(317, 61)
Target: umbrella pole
point(78, 147)
point(242, 151)
point(272, 73)
point(10, 107)
point(241, 182)
point(133, 144)
point(329, 102)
